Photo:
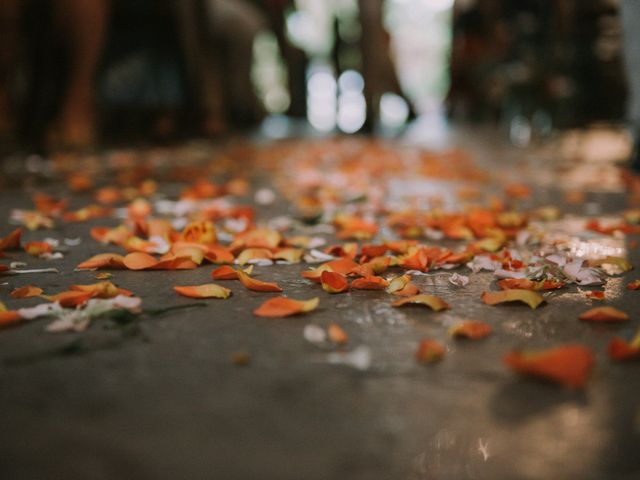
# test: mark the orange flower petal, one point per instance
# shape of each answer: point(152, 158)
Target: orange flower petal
point(26, 292)
point(70, 298)
point(209, 290)
point(341, 265)
point(378, 264)
point(531, 298)
point(104, 289)
point(291, 255)
point(526, 284)
point(604, 314)
point(11, 241)
point(175, 263)
point(200, 232)
point(333, 282)
point(374, 250)
point(254, 254)
point(103, 260)
point(257, 285)
point(337, 335)
point(370, 283)
point(568, 365)
point(473, 329)
point(635, 285)
point(8, 318)
point(316, 275)
point(434, 303)
point(219, 254)
point(429, 351)
point(196, 255)
point(621, 350)
point(595, 294)
point(409, 290)
point(37, 248)
point(139, 261)
point(225, 272)
point(283, 307)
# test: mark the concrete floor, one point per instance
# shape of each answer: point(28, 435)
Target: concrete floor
point(161, 399)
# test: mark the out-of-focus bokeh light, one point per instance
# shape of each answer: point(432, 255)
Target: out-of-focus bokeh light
point(394, 110)
point(268, 74)
point(351, 81)
point(321, 99)
point(352, 111)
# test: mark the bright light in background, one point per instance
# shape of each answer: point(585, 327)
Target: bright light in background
point(394, 110)
point(421, 36)
point(351, 81)
point(352, 108)
point(268, 74)
point(352, 112)
point(321, 99)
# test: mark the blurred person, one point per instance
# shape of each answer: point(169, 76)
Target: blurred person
point(82, 25)
point(218, 36)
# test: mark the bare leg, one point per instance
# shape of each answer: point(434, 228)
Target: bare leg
point(85, 24)
point(203, 64)
point(235, 24)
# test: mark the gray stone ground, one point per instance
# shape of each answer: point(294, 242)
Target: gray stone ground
point(161, 399)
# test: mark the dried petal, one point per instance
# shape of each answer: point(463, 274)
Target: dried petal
point(283, 307)
point(337, 335)
point(209, 290)
point(103, 260)
point(568, 365)
point(251, 254)
point(37, 248)
point(621, 350)
point(291, 255)
point(635, 285)
point(104, 289)
point(604, 314)
point(595, 294)
point(225, 272)
point(26, 292)
point(531, 298)
point(69, 298)
point(526, 284)
point(139, 261)
point(11, 241)
point(429, 351)
point(333, 282)
point(341, 265)
point(257, 285)
point(8, 318)
point(434, 303)
point(473, 329)
point(370, 283)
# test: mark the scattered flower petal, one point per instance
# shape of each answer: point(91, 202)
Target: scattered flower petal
point(283, 307)
point(604, 314)
point(568, 365)
point(209, 290)
point(531, 298)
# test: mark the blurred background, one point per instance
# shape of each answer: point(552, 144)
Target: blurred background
point(95, 72)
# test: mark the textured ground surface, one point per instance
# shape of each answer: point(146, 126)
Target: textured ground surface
point(163, 400)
